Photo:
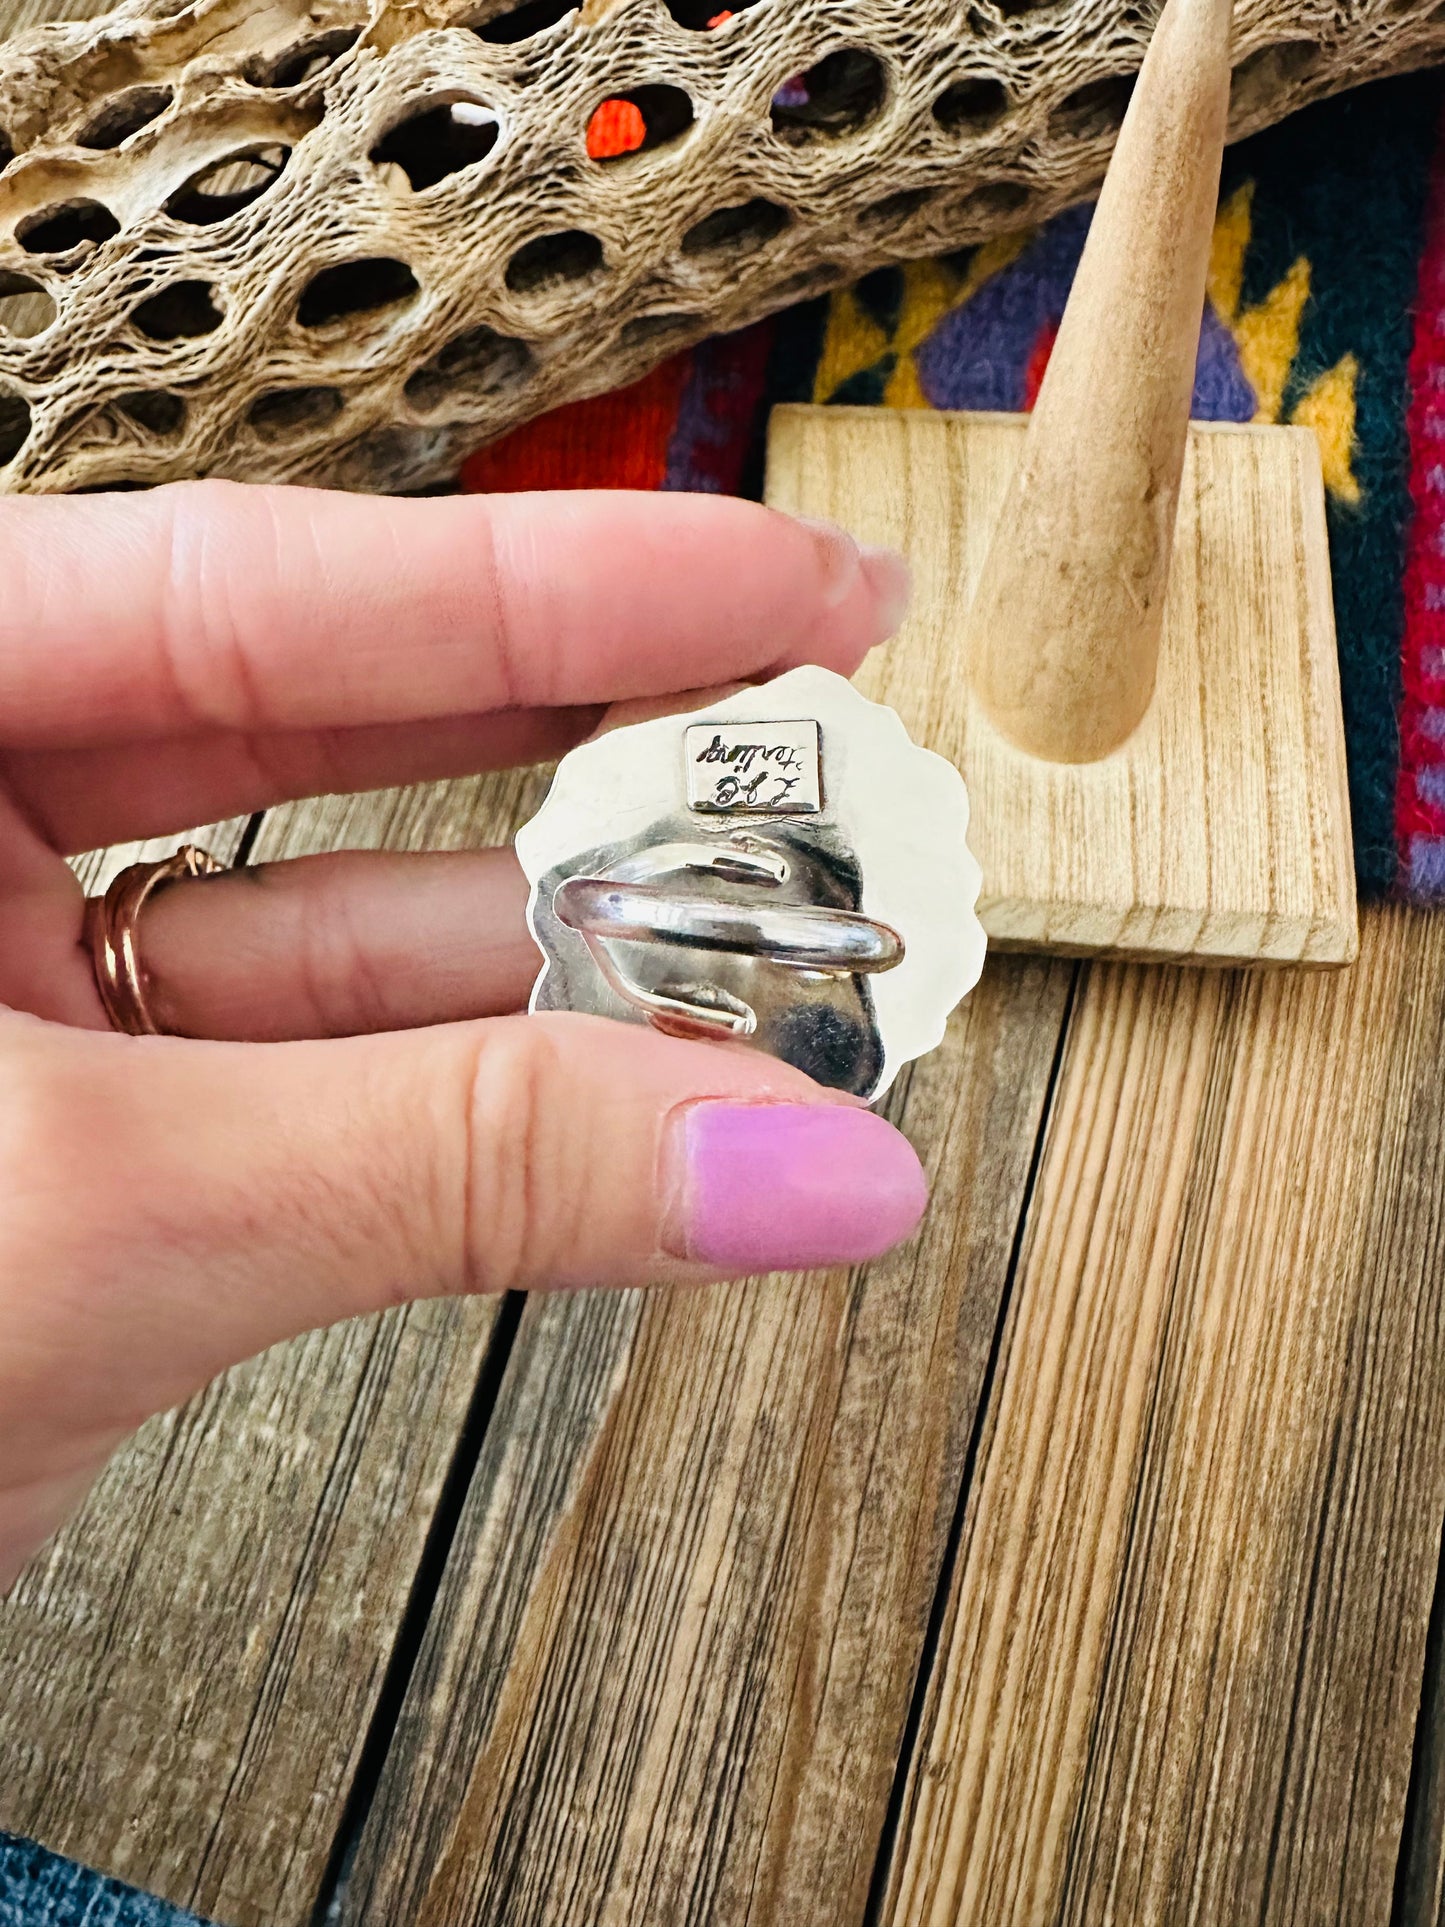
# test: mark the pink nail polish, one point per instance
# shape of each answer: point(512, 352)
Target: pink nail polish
point(791, 1187)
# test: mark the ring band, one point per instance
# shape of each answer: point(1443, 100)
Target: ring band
point(803, 935)
point(112, 922)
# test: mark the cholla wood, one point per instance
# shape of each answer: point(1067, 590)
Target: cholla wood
point(346, 242)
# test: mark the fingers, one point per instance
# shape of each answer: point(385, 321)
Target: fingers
point(214, 607)
point(82, 798)
point(330, 946)
point(186, 1204)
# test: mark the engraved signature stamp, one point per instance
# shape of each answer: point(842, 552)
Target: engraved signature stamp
point(762, 769)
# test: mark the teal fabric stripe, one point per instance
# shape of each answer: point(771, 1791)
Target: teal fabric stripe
point(1344, 184)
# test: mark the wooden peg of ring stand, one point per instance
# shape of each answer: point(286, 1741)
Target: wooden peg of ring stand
point(1123, 630)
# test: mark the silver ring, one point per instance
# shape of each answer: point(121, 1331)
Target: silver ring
point(802, 936)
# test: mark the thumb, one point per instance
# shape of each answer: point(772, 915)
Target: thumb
point(211, 1199)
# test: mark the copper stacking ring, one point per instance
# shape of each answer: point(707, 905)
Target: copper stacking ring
point(111, 924)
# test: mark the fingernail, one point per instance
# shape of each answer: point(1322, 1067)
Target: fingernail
point(891, 580)
point(888, 577)
point(842, 557)
point(790, 1187)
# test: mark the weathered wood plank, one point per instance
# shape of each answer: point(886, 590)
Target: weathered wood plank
point(97, 868)
point(1182, 1662)
point(189, 1671)
point(1420, 1876)
point(671, 1661)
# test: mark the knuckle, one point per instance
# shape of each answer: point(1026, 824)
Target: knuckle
point(517, 1129)
point(517, 671)
point(199, 627)
point(345, 991)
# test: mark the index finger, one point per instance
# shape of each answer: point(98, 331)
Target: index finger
point(209, 605)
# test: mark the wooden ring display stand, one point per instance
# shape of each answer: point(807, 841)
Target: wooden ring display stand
point(1123, 630)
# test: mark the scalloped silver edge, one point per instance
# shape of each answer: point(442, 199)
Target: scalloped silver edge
point(903, 808)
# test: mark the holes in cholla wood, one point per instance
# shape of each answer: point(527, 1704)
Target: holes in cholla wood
point(837, 97)
point(737, 229)
point(26, 308)
point(303, 60)
point(124, 114)
point(894, 209)
point(73, 224)
point(353, 288)
point(814, 281)
point(971, 106)
point(179, 312)
point(533, 17)
point(7, 150)
point(14, 424)
point(156, 410)
point(572, 255)
point(645, 329)
point(1265, 74)
point(992, 200)
point(635, 122)
point(698, 15)
point(283, 412)
point(224, 187)
point(477, 363)
point(437, 141)
point(1094, 109)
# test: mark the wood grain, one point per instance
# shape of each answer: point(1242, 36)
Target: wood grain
point(188, 1673)
point(1182, 1659)
point(97, 869)
point(670, 1664)
point(1062, 633)
point(1221, 830)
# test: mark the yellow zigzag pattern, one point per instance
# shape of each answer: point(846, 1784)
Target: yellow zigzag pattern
point(854, 342)
point(1266, 336)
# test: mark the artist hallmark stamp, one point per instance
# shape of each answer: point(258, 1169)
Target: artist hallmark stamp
point(770, 769)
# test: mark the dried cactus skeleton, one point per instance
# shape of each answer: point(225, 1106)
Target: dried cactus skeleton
point(345, 241)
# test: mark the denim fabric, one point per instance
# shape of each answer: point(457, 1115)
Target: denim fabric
point(38, 1889)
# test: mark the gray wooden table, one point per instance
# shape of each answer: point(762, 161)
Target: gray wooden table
point(1074, 1563)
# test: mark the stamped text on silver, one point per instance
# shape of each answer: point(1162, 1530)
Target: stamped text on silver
point(771, 769)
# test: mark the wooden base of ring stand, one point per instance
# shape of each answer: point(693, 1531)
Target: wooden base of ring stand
point(1220, 831)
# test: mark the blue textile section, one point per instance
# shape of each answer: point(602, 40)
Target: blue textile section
point(39, 1889)
point(978, 356)
point(1426, 881)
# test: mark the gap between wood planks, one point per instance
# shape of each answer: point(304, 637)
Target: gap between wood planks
point(1400, 984)
point(1215, 1416)
point(227, 1678)
point(407, 1646)
point(937, 1618)
point(333, 1905)
point(1187, 1630)
point(1419, 1897)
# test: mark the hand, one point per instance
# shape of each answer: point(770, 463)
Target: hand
point(170, 1206)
